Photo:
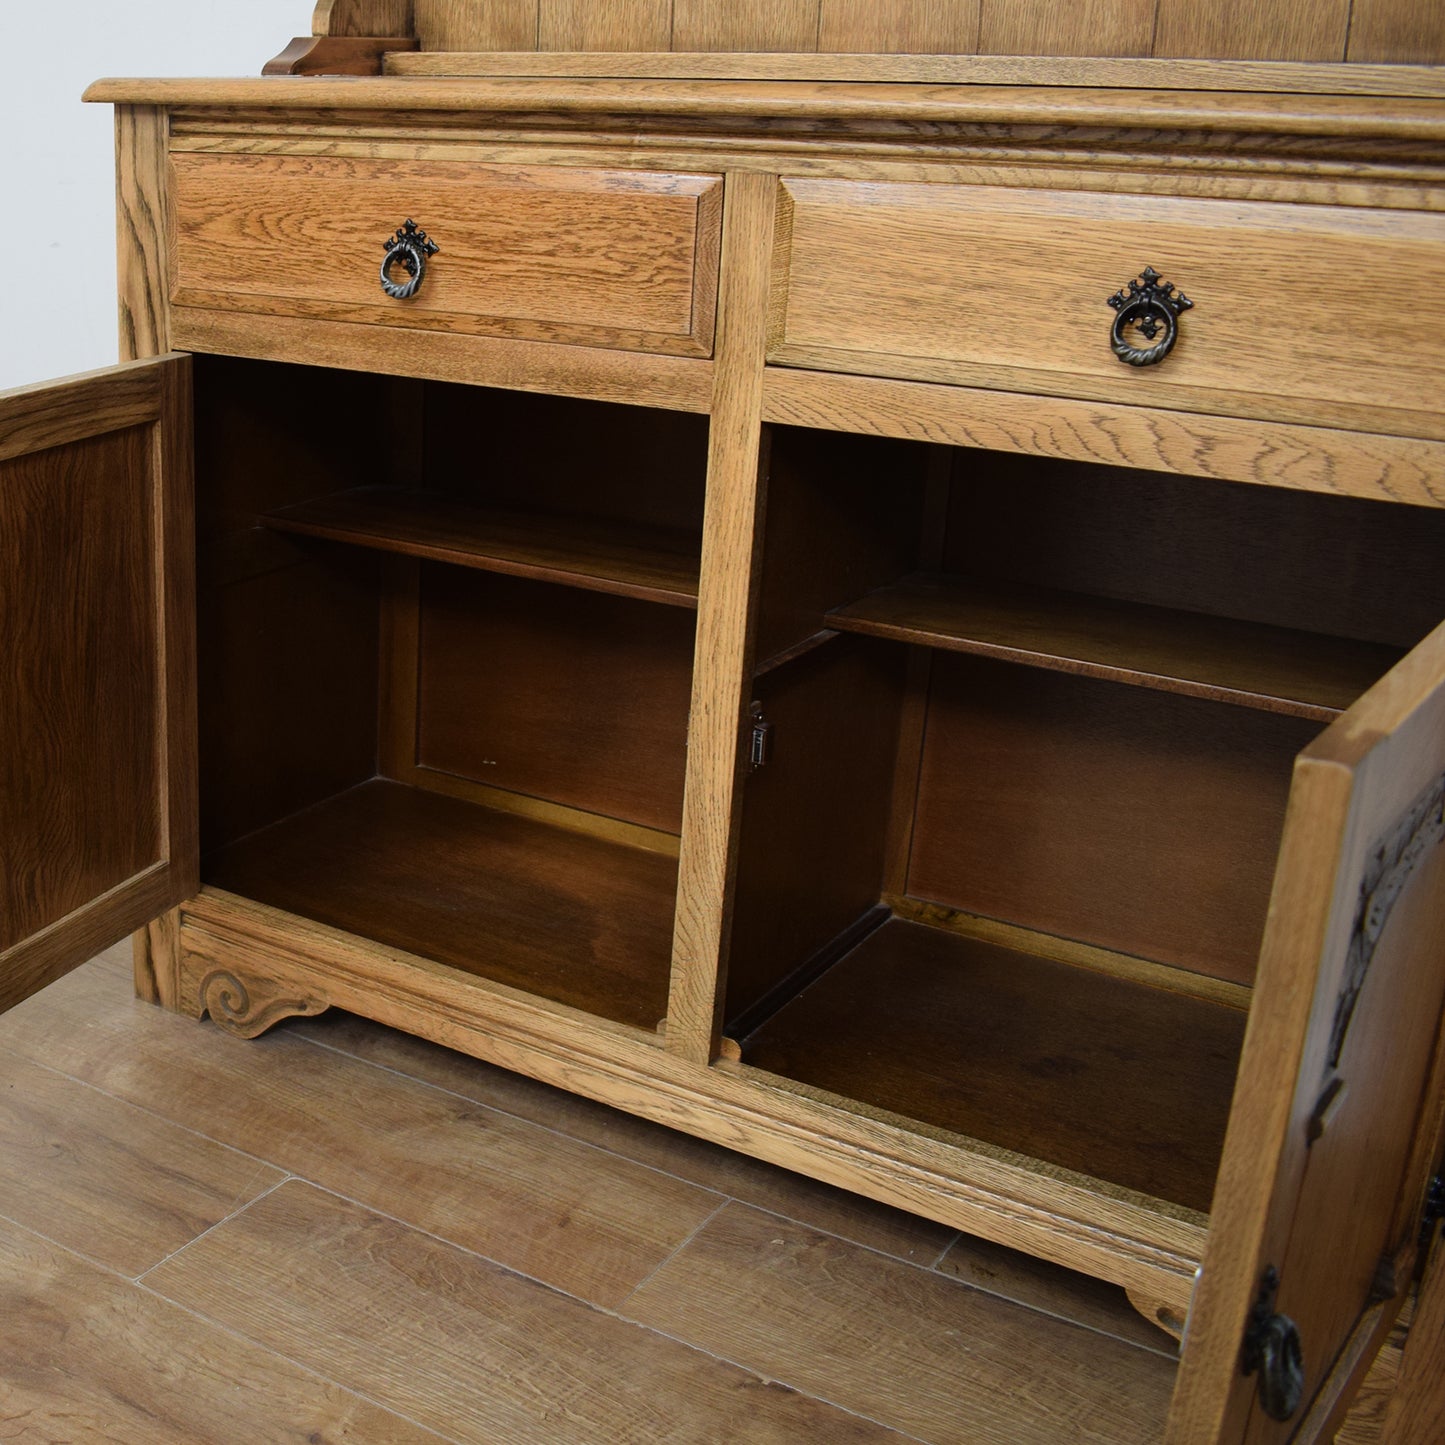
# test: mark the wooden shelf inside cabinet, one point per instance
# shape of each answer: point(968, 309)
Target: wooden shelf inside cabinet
point(575, 919)
point(1273, 669)
point(651, 563)
point(1106, 1076)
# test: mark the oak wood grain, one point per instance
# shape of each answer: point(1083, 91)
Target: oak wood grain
point(387, 1309)
point(467, 25)
point(931, 1354)
point(622, 25)
point(1061, 1216)
point(834, 1211)
point(107, 1179)
point(89, 1356)
point(1395, 31)
point(1062, 1293)
point(941, 27)
point(1322, 118)
point(554, 912)
point(583, 702)
point(745, 25)
point(727, 601)
point(578, 552)
point(1087, 27)
point(1124, 1083)
point(555, 368)
point(577, 1218)
point(1176, 73)
point(541, 254)
point(1134, 820)
point(955, 253)
point(1415, 1409)
point(1299, 674)
point(142, 230)
point(1261, 30)
point(1278, 1194)
point(1268, 454)
point(362, 17)
point(97, 798)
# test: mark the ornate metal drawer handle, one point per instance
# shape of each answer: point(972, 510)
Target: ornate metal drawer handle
point(1151, 308)
point(409, 249)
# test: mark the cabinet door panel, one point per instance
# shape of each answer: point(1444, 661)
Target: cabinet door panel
point(1323, 1169)
point(97, 755)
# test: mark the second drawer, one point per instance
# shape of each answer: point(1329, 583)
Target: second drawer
point(1327, 315)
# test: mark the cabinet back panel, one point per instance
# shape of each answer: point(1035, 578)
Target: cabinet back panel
point(517, 451)
point(1135, 820)
point(815, 816)
point(84, 739)
point(1334, 565)
point(576, 697)
point(288, 690)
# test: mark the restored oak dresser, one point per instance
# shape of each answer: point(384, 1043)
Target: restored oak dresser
point(883, 610)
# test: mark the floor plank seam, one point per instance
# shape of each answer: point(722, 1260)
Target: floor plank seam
point(932, 1268)
point(672, 1255)
point(89, 1259)
point(519, 1118)
point(614, 1313)
point(140, 1278)
point(627, 1158)
point(315, 1374)
point(143, 1109)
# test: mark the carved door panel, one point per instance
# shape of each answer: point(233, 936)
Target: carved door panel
point(1336, 1112)
point(97, 667)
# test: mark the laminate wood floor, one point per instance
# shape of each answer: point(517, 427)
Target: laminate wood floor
point(337, 1232)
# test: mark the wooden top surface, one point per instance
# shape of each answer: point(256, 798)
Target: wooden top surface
point(1405, 117)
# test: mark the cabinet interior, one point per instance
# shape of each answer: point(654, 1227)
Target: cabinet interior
point(1029, 729)
point(445, 657)
point(1025, 734)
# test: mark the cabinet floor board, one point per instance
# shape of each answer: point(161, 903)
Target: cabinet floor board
point(572, 918)
point(933, 1356)
point(1101, 1075)
point(656, 564)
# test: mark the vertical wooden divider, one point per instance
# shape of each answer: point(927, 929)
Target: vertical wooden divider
point(722, 662)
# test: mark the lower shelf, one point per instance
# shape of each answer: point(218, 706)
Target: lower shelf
point(1104, 1076)
point(570, 918)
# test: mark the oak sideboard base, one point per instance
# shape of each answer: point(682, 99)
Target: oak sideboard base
point(248, 966)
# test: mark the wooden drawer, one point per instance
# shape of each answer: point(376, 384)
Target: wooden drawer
point(1317, 314)
point(624, 259)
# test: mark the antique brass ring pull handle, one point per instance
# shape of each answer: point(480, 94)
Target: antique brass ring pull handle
point(407, 250)
point(1152, 308)
point(1272, 1348)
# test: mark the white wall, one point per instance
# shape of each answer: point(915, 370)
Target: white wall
point(57, 191)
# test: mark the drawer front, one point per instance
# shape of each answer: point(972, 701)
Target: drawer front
point(1305, 313)
point(623, 259)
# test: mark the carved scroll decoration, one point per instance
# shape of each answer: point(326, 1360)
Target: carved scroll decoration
point(232, 1006)
point(1387, 871)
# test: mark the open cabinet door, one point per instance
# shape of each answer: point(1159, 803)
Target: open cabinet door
point(1336, 1113)
point(97, 665)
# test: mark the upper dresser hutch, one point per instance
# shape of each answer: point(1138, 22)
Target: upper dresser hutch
point(861, 578)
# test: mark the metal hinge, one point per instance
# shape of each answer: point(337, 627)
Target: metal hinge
point(760, 748)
